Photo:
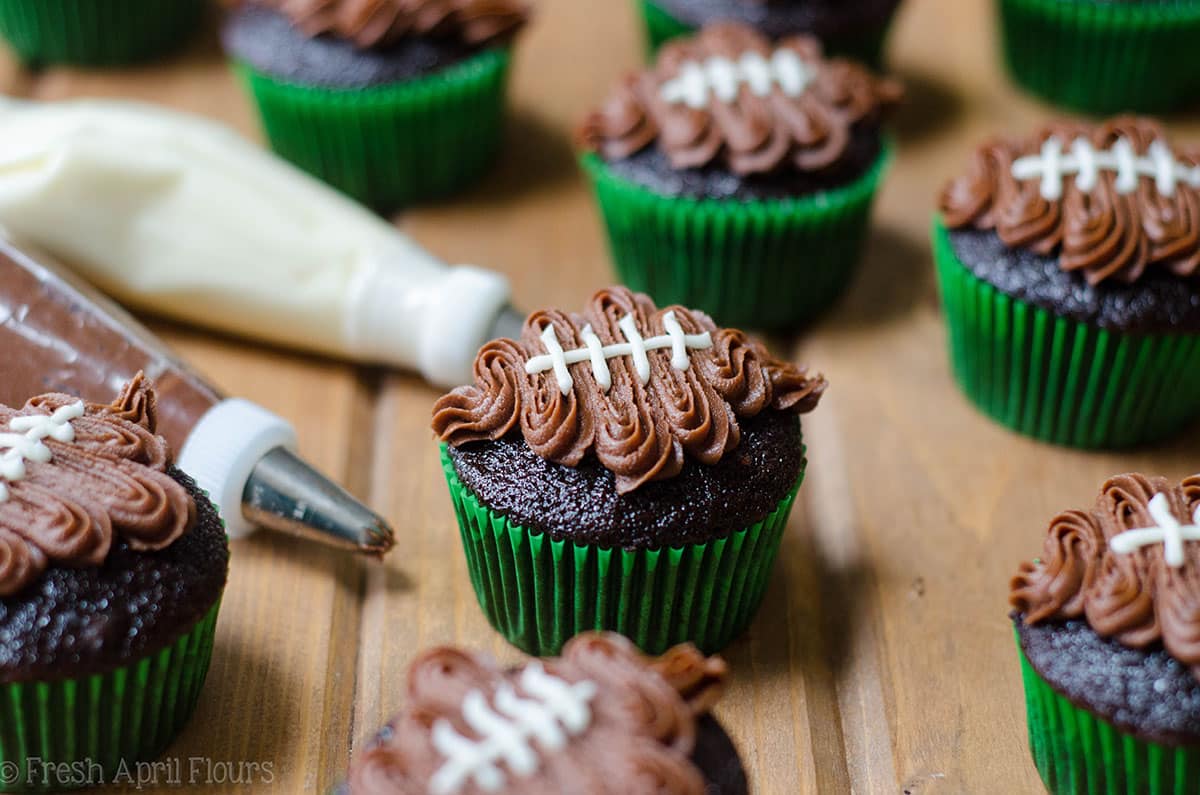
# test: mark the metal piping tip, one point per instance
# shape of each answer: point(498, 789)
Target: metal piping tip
point(284, 493)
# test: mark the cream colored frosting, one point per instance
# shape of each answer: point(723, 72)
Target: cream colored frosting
point(179, 216)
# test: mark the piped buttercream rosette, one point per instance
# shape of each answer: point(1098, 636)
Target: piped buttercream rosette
point(1112, 201)
point(378, 23)
point(603, 717)
point(1130, 567)
point(639, 387)
point(730, 97)
point(75, 476)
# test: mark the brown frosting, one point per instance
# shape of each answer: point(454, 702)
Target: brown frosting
point(638, 738)
point(377, 23)
point(137, 403)
point(1136, 598)
point(753, 134)
point(1102, 232)
point(112, 478)
point(638, 431)
point(93, 346)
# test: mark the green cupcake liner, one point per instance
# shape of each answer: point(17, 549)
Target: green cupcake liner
point(1104, 57)
point(766, 264)
point(1078, 753)
point(1060, 380)
point(98, 32)
point(866, 46)
point(98, 725)
point(538, 593)
point(392, 145)
point(661, 26)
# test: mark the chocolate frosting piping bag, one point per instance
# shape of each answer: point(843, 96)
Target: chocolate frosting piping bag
point(58, 334)
point(179, 216)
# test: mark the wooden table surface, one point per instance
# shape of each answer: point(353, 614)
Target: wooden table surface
point(882, 660)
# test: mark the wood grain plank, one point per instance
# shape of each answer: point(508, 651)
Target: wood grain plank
point(285, 661)
point(531, 219)
point(942, 504)
point(882, 660)
point(534, 220)
point(282, 682)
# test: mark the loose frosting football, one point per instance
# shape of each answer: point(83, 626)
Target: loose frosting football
point(1113, 200)
point(729, 97)
point(73, 474)
point(603, 718)
point(376, 23)
point(1130, 567)
point(637, 386)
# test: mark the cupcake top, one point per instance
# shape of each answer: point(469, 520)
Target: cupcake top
point(730, 99)
point(381, 23)
point(353, 44)
point(75, 475)
point(633, 386)
point(601, 718)
point(1114, 202)
point(1129, 568)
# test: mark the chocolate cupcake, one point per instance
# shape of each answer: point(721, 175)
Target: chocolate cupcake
point(1070, 270)
point(737, 176)
point(627, 468)
point(391, 101)
point(112, 566)
point(1108, 626)
point(98, 32)
point(856, 28)
point(602, 719)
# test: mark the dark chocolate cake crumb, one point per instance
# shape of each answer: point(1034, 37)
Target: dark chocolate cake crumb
point(77, 622)
point(582, 504)
point(1149, 694)
point(268, 41)
point(651, 169)
point(718, 760)
point(1158, 302)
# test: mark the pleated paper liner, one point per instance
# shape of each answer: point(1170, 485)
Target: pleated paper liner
point(1104, 57)
point(660, 26)
point(866, 46)
point(104, 721)
point(1059, 380)
point(1078, 753)
point(538, 593)
point(763, 264)
point(98, 32)
point(390, 146)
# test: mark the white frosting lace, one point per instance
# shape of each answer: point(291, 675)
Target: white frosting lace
point(558, 360)
point(25, 442)
point(555, 710)
point(1083, 161)
point(1168, 531)
point(723, 78)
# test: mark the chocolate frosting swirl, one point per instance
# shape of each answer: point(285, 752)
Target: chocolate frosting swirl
point(112, 478)
point(755, 133)
point(378, 23)
point(640, 431)
point(137, 403)
point(1136, 598)
point(1102, 232)
point(640, 736)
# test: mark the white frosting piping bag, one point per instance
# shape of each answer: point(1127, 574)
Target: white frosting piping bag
point(179, 216)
